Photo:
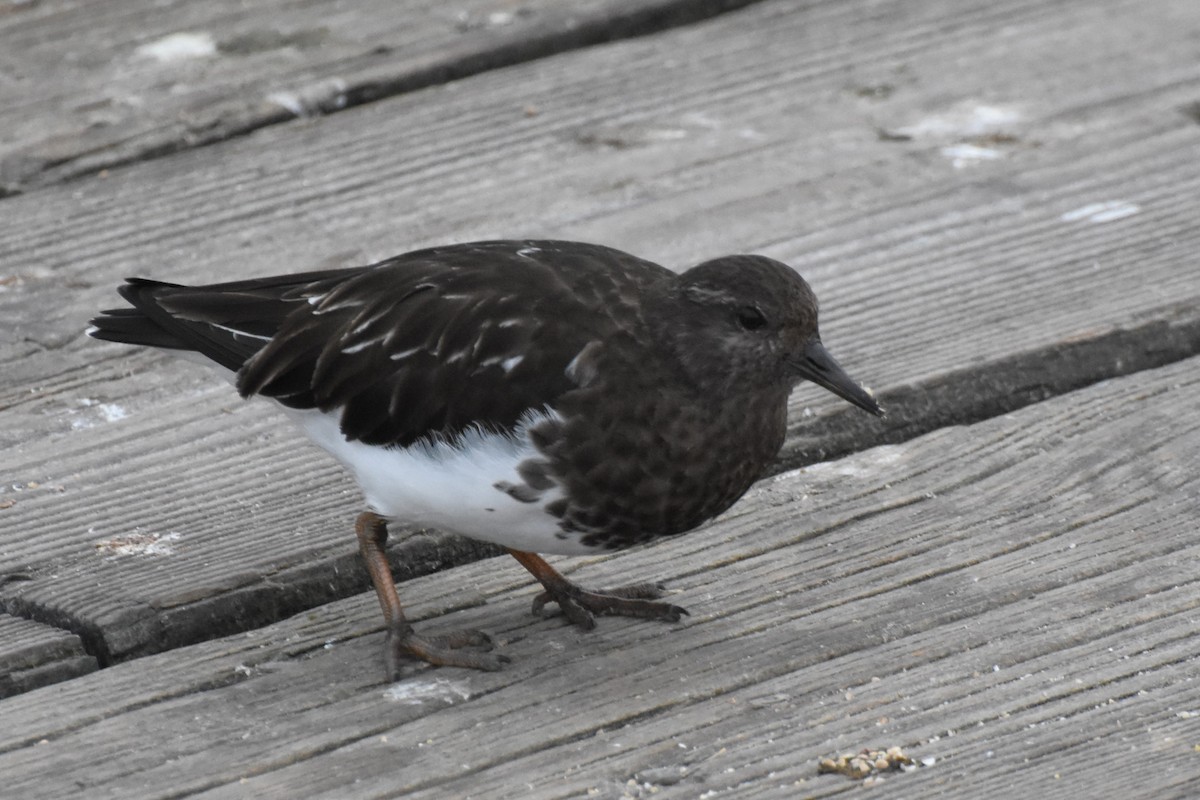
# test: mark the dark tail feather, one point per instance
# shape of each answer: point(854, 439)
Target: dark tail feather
point(131, 325)
point(149, 323)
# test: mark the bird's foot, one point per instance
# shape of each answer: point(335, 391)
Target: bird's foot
point(581, 606)
point(458, 649)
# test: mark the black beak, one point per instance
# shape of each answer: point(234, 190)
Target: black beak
point(818, 366)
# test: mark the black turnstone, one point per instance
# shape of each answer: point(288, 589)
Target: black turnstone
point(550, 397)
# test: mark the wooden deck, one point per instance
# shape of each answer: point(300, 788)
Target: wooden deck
point(997, 204)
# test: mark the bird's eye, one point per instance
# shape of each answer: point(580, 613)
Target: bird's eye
point(750, 318)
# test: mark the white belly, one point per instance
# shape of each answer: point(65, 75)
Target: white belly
point(450, 486)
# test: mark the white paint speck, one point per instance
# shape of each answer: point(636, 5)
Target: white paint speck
point(965, 155)
point(291, 102)
point(665, 134)
point(1102, 212)
point(311, 100)
point(416, 692)
point(964, 120)
point(112, 412)
point(179, 47)
point(96, 412)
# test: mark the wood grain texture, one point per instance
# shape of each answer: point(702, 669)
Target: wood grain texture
point(820, 133)
point(33, 655)
point(87, 88)
point(1015, 599)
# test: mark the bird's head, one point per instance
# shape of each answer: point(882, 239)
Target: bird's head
point(749, 322)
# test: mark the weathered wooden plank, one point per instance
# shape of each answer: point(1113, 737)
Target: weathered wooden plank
point(33, 655)
point(957, 285)
point(1015, 599)
point(86, 87)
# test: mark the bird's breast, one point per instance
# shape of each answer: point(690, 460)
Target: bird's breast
point(655, 465)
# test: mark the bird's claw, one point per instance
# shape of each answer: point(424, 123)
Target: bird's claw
point(581, 606)
point(456, 649)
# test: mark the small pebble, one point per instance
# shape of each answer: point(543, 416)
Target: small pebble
point(868, 764)
point(661, 776)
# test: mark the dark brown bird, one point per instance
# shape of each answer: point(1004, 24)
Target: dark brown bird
point(551, 397)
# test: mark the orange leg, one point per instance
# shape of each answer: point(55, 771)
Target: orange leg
point(402, 641)
point(581, 605)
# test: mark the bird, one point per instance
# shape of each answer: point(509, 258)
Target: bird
point(550, 397)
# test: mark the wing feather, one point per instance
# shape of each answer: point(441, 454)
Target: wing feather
point(429, 343)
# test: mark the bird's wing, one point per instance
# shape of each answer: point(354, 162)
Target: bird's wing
point(429, 343)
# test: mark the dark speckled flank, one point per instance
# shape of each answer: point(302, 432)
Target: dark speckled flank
point(668, 392)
